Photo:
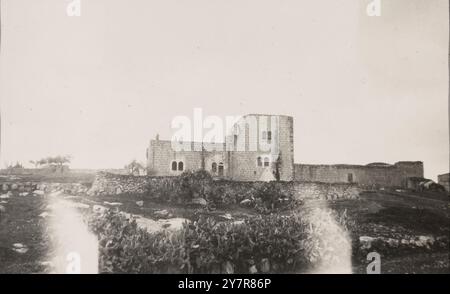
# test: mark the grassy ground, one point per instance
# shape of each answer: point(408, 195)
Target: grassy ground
point(22, 224)
point(395, 215)
point(375, 214)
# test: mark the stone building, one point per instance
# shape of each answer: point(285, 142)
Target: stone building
point(257, 148)
point(444, 180)
point(260, 147)
point(373, 174)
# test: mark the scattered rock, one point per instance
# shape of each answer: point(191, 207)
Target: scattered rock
point(227, 216)
point(199, 201)
point(162, 213)
point(38, 192)
point(112, 203)
point(24, 194)
point(265, 265)
point(366, 242)
point(127, 215)
point(253, 270)
point(99, 209)
point(228, 268)
point(246, 202)
point(20, 248)
point(44, 214)
point(140, 203)
point(392, 242)
point(4, 196)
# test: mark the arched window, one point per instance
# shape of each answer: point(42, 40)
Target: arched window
point(259, 160)
point(350, 178)
point(214, 167)
point(221, 169)
point(266, 161)
point(174, 165)
point(180, 166)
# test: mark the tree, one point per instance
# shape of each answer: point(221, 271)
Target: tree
point(36, 163)
point(42, 161)
point(61, 160)
point(277, 167)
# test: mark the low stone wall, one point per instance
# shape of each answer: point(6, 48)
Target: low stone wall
point(29, 187)
point(110, 184)
point(326, 191)
point(113, 184)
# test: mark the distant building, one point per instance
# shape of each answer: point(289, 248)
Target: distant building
point(245, 156)
point(444, 180)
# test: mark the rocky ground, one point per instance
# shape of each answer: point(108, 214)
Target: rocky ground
point(409, 231)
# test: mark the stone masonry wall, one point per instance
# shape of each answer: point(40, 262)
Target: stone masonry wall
point(109, 184)
point(395, 175)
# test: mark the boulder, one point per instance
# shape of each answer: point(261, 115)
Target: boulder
point(227, 216)
point(140, 203)
point(199, 201)
point(14, 187)
point(38, 192)
point(162, 213)
point(44, 214)
point(99, 209)
point(2, 209)
point(228, 268)
point(20, 248)
point(253, 270)
point(366, 242)
point(112, 203)
point(246, 202)
point(4, 196)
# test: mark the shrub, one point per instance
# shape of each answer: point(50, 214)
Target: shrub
point(195, 184)
point(274, 243)
point(270, 198)
point(126, 248)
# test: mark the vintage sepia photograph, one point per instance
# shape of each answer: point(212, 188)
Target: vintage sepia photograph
point(224, 137)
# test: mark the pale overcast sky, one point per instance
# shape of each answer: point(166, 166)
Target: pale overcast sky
point(98, 87)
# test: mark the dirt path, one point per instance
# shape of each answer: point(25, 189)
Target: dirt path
point(74, 248)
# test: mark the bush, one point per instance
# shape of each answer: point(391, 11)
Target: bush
point(270, 243)
point(270, 198)
point(126, 248)
point(195, 184)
